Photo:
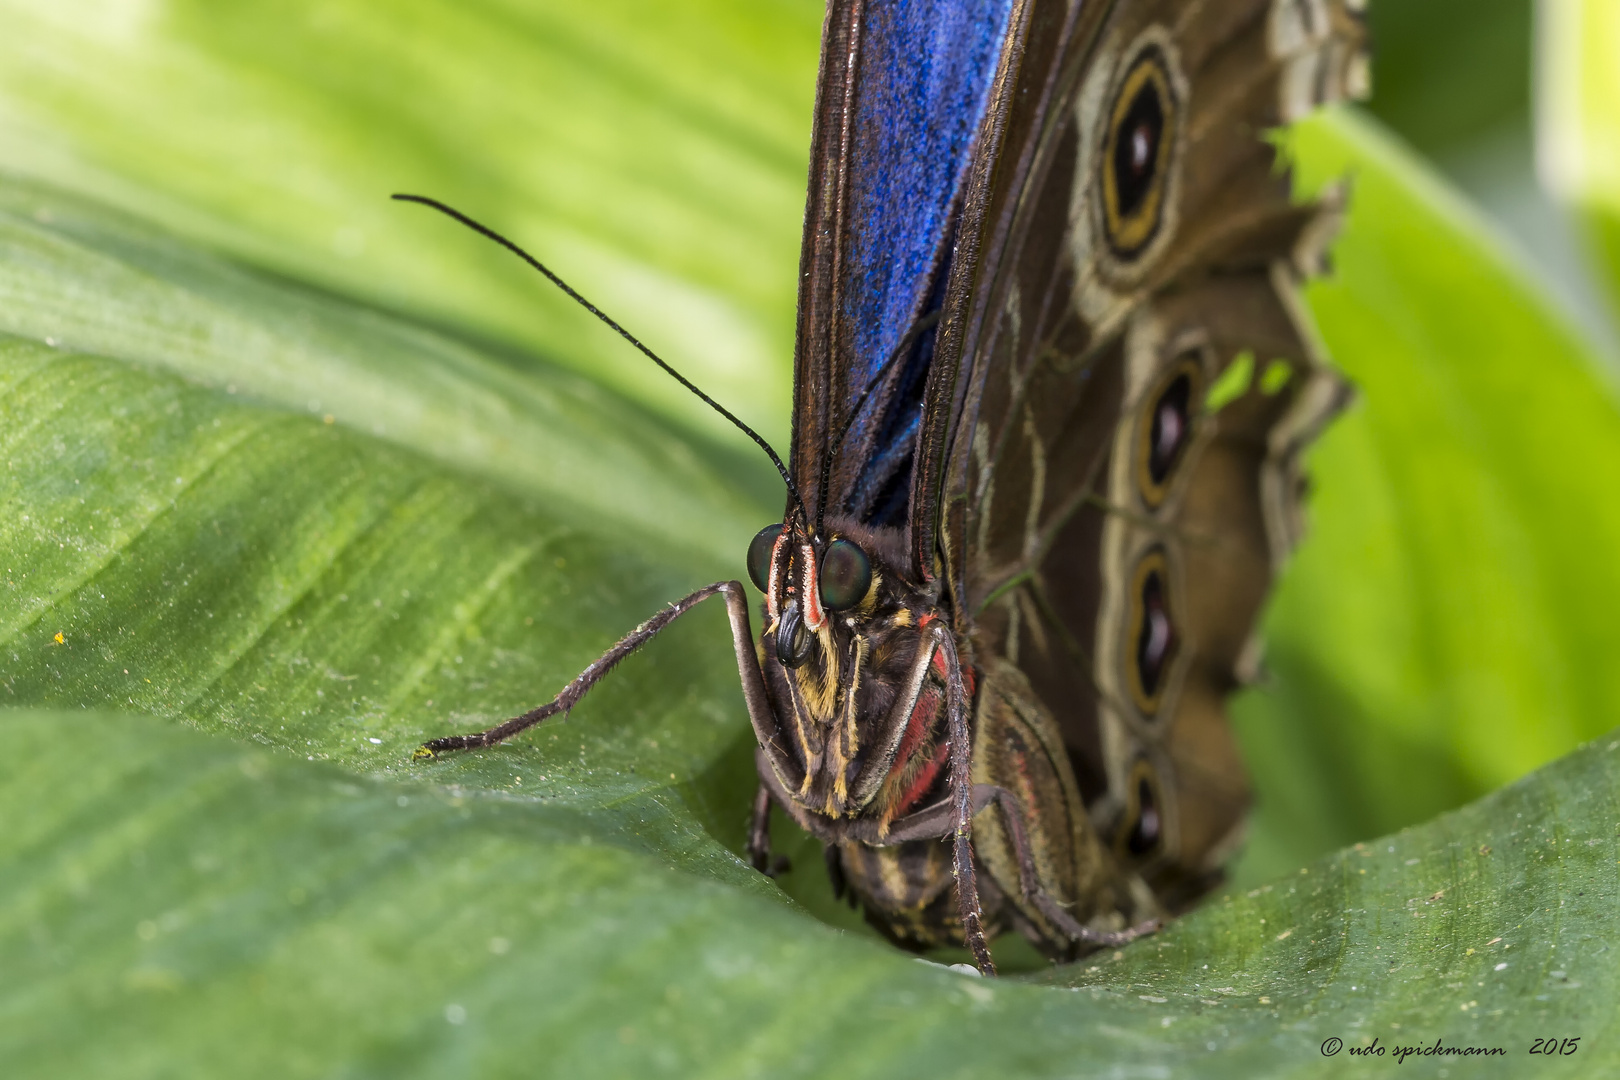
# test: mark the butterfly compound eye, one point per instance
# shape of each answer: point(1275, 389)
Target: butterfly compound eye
point(760, 550)
point(1136, 155)
point(846, 575)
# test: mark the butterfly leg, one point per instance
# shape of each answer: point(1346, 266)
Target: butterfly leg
point(961, 794)
point(759, 838)
point(1029, 879)
point(838, 878)
point(753, 683)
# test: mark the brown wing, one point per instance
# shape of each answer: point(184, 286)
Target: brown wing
point(1100, 525)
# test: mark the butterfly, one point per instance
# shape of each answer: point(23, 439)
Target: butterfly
point(1052, 384)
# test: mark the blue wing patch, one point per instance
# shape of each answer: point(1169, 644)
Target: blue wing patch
point(923, 84)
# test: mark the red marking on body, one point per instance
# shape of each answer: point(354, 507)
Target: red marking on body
point(918, 725)
point(943, 671)
point(922, 716)
point(925, 780)
point(1026, 786)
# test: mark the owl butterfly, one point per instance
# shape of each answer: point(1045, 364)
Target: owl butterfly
point(1052, 384)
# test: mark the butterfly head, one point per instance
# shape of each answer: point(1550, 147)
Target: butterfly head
point(806, 581)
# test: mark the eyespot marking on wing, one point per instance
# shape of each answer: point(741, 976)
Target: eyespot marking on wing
point(1152, 641)
point(1136, 158)
point(1141, 829)
point(1164, 427)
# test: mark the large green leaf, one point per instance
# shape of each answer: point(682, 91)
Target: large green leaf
point(279, 576)
point(182, 905)
point(84, 280)
point(653, 152)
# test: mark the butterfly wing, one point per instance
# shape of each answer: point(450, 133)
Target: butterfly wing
point(903, 90)
point(1045, 242)
point(1104, 522)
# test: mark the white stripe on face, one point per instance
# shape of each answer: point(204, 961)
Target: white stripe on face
point(810, 601)
point(772, 607)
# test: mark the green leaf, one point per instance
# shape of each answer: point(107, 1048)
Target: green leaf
point(286, 580)
point(1233, 383)
point(84, 280)
point(177, 904)
point(654, 154)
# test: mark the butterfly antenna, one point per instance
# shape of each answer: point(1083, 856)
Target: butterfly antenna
point(573, 295)
point(837, 445)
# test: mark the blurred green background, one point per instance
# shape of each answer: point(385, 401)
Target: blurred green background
point(1454, 79)
point(303, 470)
